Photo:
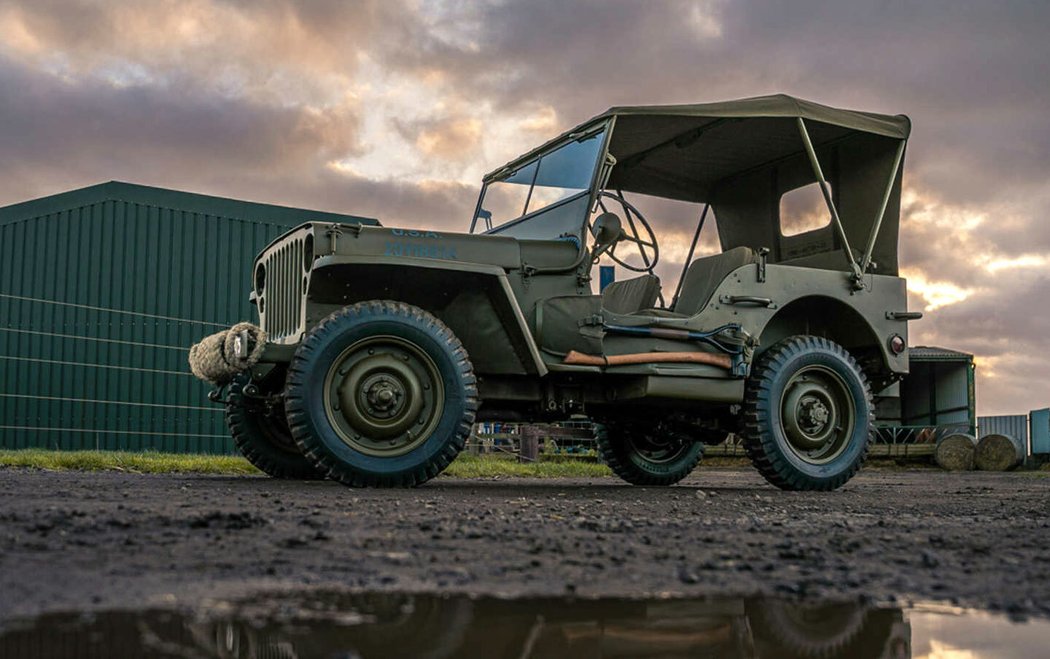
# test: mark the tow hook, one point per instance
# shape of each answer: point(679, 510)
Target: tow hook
point(218, 395)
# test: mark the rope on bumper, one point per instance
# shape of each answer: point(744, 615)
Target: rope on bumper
point(215, 358)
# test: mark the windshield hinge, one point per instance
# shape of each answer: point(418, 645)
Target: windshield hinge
point(332, 233)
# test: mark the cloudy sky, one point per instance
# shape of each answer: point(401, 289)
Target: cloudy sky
point(394, 109)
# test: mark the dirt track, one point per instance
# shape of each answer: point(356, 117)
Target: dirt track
point(109, 540)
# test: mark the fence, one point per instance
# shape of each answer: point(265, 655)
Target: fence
point(575, 440)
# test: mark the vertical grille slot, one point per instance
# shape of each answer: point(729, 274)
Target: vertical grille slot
point(284, 266)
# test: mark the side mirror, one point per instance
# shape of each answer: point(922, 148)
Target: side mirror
point(606, 229)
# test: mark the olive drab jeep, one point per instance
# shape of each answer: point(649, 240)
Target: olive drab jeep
point(380, 348)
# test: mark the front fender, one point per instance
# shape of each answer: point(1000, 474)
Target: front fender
point(474, 300)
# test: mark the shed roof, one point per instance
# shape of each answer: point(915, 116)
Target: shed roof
point(167, 198)
point(933, 353)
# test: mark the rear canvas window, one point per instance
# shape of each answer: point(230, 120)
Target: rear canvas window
point(803, 210)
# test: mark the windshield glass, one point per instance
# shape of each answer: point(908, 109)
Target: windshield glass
point(553, 177)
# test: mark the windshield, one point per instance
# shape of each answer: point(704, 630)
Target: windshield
point(542, 183)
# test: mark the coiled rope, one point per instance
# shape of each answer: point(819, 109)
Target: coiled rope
point(215, 359)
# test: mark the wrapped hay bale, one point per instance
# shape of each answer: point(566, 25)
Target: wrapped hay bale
point(999, 452)
point(956, 452)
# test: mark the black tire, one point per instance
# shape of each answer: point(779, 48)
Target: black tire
point(263, 437)
point(807, 415)
point(809, 631)
point(381, 394)
point(647, 456)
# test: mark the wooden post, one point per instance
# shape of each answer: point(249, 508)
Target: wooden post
point(530, 443)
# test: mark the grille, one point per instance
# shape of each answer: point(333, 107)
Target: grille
point(282, 316)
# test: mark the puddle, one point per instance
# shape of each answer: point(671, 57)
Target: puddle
point(343, 626)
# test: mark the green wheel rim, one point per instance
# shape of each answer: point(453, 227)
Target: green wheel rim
point(818, 414)
point(384, 396)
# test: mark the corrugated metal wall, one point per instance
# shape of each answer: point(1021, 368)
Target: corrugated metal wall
point(102, 293)
point(1015, 425)
point(1039, 426)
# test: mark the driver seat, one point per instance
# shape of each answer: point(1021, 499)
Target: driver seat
point(631, 295)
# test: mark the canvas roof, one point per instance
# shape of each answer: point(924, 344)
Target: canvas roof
point(684, 151)
point(661, 138)
point(778, 105)
point(742, 156)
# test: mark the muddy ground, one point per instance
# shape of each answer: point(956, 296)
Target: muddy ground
point(72, 541)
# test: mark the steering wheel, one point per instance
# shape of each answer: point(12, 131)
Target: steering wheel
point(649, 250)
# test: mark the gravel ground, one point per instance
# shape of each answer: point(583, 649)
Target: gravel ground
point(79, 541)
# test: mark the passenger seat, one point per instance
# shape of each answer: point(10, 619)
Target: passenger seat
point(704, 276)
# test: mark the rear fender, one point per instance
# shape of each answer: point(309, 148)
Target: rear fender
point(865, 336)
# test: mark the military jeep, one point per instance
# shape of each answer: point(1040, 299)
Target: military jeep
point(384, 346)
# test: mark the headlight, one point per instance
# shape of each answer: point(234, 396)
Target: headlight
point(260, 278)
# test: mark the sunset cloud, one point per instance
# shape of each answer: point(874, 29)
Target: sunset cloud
point(396, 108)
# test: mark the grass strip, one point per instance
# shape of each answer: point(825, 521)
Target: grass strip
point(144, 462)
point(475, 466)
point(151, 462)
point(465, 466)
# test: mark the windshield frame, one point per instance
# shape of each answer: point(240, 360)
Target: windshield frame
point(605, 127)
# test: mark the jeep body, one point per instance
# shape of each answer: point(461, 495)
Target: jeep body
point(518, 289)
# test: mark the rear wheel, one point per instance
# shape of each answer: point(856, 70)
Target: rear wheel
point(261, 434)
point(381, 394)
point(650, 455)
point(807, 414)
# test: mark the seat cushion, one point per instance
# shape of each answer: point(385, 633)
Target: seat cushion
point(631, 295)
point(705, 274)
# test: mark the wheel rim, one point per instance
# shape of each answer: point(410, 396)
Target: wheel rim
point(275, 428)
point(657, 451)
point(383, 396)
point(822, 622)
point(818, 414)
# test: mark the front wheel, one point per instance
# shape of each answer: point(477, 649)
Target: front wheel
point(647, 455)
point(811, 631)
point(381, 394)
point(807, 415)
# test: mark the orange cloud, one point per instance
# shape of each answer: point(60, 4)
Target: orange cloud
point(453, 139)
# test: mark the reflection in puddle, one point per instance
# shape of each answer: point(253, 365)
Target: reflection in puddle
point(294, 626)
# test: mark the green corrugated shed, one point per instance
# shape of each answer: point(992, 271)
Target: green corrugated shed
point(102, 291)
